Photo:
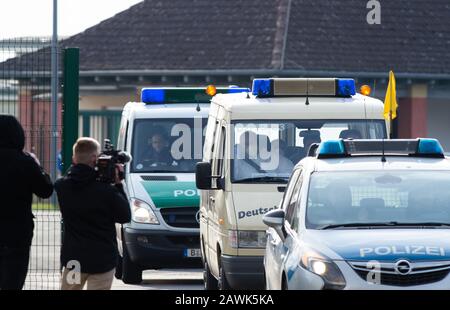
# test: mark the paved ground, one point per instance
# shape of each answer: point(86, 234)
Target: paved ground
point(170, 279)
point(44, 257)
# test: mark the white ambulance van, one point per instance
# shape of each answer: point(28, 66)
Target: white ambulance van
point(253, 141)
point(164, 134)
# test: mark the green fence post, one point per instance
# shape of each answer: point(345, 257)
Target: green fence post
point(86, 124)
point(70, 104)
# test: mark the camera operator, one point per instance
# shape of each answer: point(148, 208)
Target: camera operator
point(21, 175)
point(90, 209)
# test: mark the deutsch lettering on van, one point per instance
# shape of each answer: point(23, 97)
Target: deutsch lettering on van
point(255, 212)
point(252, 143)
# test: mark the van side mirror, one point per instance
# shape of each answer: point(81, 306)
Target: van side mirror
point(275, 220)
point(203, 175)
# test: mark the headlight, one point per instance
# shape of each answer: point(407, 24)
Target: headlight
point(142, 212)
point(250, 239)
point(325, 268)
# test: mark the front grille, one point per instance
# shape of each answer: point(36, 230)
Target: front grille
point(408, 280)
point(421, 273)
point(158, 178)
point(185, 241)
point(182, 217)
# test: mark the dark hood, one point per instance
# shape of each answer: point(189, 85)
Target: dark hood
point(11, 133)
point(81, 175)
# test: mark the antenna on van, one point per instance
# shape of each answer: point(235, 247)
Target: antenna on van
point(198, 99)
point(307, 92)
point(383, 157)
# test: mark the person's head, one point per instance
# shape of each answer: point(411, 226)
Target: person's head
point(12, 135)
point(158, 142)
point(86, 151)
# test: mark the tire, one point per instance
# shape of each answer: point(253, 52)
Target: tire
point(284, 284)
point(119, 269)
point(266, 288)
point(210, 283)
point(223, 284)
point(131, 273)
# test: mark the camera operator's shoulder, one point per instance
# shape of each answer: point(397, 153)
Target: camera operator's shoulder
point(59, 182)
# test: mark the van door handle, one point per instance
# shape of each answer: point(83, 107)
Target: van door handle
point(212, 199)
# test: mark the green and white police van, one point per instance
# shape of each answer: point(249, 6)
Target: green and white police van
point(164, 134)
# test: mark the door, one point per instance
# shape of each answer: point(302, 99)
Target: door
point(279, 247)
point(121, 144)
point(288, 262)
point(275, 246)
point(210, 137)
point(216, 197)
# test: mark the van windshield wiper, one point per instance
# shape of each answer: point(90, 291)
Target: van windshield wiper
point(156, 171)
point(264, 179)
point(386, 224)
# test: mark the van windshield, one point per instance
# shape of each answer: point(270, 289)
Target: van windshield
point(167, 145)
point(267, 150)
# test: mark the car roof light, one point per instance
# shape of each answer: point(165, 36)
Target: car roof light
point(314, 87)
point(165, 95)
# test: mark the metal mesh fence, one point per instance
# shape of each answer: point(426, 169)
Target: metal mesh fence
point(25, 92)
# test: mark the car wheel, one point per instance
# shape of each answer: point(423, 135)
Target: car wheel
point(284, 284)
point(131, 273)
point(222, 281)
point(210, 283)
point(266, 286)
point(119, 273)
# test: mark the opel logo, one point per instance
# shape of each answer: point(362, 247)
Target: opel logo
point(403, 267)
point(197, 216)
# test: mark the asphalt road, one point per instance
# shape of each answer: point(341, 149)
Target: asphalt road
point(170, 279)
point(44, 263)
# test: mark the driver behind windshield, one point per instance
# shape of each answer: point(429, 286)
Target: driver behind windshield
point(158, 151)
point(247, 157)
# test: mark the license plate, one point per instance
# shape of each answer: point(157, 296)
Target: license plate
point(192, 253)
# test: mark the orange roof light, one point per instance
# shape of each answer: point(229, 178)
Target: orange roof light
point(211, 90)
point(365, 90)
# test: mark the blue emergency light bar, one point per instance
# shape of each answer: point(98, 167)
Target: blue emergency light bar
point(184, 94)
point(312, 87)
point(395, 147)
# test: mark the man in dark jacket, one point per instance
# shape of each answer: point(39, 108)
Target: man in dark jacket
point(90, 210)
point(20, 176)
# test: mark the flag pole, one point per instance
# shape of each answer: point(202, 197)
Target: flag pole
point(391, 90)
point(391, 130)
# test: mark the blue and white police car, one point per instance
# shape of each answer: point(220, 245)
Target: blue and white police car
point(363, 214)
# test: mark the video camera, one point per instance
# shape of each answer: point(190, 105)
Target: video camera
point(107, 160)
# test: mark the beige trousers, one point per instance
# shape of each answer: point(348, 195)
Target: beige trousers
point(95, 281)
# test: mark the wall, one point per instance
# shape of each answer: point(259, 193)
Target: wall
point(439, 121)
point(99, 101)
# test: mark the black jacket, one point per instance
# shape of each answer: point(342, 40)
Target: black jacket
point(20, 177)
point(90, 210)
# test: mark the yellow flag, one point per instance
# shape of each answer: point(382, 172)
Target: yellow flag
point(390, 102)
